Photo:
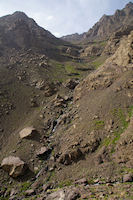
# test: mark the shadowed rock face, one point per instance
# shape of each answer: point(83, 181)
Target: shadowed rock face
point(19, 31)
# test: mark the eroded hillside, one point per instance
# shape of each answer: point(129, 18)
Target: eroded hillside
point(66, 118)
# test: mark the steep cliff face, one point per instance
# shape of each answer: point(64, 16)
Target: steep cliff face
point(124, 55)
point(109, 24)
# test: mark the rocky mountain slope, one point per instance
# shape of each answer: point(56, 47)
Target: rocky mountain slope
point(72, 37)
point(18, 31)
point(66, 117)
point(33, 65)
point(106, 25)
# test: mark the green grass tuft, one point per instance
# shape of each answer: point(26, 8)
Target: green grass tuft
point(99, 124)
point(130, 111)
point(65, 183)
point(25, 186)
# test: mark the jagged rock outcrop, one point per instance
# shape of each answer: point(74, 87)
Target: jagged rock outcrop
point(124, 55)
point(107, 25)
point(114, 41)
point(72, 37)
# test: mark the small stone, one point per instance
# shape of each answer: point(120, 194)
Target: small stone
point(29, 192)
point(36, 184)
point(43, 152)
point(36, 169)
point(7, 112)
point(52, 158)
point(95, 117)
point(46, 187)
point(51, 169)
point(96, 180)
point(109, 184)
point(41, 116)
point(82, 181)
point(14, 151)
point(13, 192)
point(128, 178)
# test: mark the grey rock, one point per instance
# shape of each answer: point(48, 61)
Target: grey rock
point(29, 192)
point(13, 165)
point(128, 178)
point(58, 195)
point(27, 132)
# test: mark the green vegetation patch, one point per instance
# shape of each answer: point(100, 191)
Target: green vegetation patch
point(123, 124)
point(71, 70)
point(65, 183)
point(98, 62)
point(130, 111)
point(25, 186)
point(98, 124)
point(103, 43)
point(124, 170)
point(50, 176)
point(120, 116)
point(106, 142)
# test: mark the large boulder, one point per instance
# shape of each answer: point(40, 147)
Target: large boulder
point(27, 132)
point(13, 165)
point(66, 194)
point(60, 194)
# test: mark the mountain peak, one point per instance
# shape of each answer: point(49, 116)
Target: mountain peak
point(19, 15)
point(129, 5)
point(108, 24)
point(24, 32)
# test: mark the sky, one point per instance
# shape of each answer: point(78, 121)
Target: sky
point(63, 17)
